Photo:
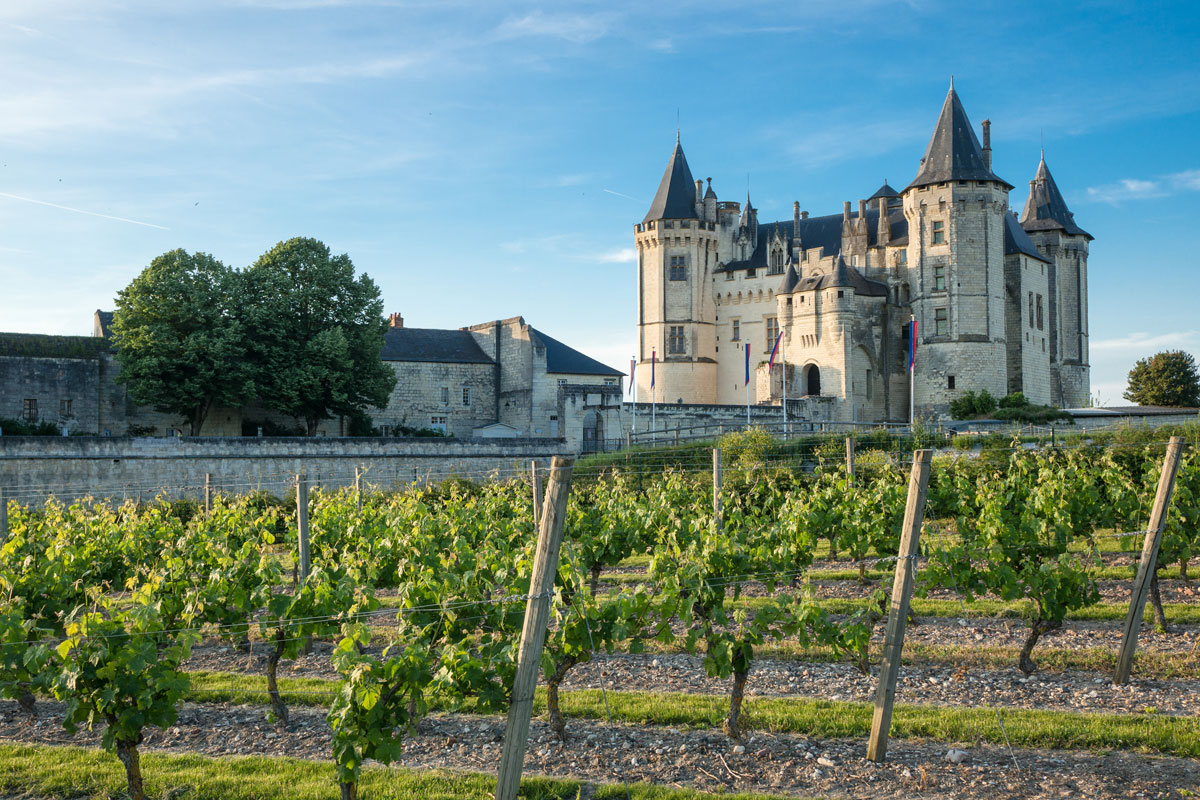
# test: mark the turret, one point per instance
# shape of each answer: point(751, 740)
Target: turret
point(955, 207)
point(676, 255)
point(1051, 226)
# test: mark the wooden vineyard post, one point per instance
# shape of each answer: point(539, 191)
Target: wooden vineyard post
point(3, 517)
point(717, 481)
point(536, 483)
point(533, 635)
point(893, 643)
point(302, 538)
point(358, 488)
point(850, 457)
point(1149, 562)
point(208, 493)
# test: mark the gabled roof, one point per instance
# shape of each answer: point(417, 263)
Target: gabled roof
point(566, 360)
point(432, 344)
point(844, 275)
point(823, 232)
point(953, 153)
point(1046, 210)
point(676, 196)
point(1016, 240)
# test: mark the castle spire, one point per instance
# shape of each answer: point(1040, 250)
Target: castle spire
point(1046, 209)
point(676, 196)
point(953, 153)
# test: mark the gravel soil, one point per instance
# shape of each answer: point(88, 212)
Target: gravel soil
point(778, 763)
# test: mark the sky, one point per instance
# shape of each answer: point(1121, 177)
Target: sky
point(487, 160)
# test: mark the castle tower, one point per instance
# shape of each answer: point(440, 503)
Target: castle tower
point(677, 252)
point(955, 208)
point(1051, 226)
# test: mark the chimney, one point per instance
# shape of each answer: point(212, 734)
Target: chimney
point(846, 212)
point(803, 215)
point(395, 320)
point(862, 208)
point(883, 233)
point(987, 143)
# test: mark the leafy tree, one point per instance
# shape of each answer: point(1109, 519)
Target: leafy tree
point(316, 331)
point(1168, 378)
point(179, 340)
point(971, 405)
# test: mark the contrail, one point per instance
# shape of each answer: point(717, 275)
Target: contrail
point(627, 197)
point(81, 211)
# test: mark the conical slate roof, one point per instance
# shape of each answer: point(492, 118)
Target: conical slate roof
point(953, 153)
point(790, 281)
point(1046, 210)
point(883, 191)
point(676, 197)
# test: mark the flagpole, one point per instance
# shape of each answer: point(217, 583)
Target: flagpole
point(912, 369)
point(633, 380)
point(747, 385)
point(783, 344)
point(653, 400)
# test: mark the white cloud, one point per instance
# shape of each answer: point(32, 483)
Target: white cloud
point(1145, 341)
point(574, 28)
point(625, 255)
point(1142, 189)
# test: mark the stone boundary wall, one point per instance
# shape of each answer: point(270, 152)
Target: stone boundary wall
point(32, 468)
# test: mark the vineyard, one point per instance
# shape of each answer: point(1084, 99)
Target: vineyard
point(715, 627)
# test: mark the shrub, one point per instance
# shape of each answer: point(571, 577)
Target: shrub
point(16, 427)
point(972, 405)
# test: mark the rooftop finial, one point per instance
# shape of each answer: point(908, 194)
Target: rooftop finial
point(676, 125)
point(952, 83)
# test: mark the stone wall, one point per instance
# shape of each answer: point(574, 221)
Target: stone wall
point(426, 390)
point(32, 467)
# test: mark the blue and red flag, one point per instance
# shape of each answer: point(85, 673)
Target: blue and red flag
point(774, 351)
point(912, 344)
point(651, 369)
point(632, 373)
point(747, 363)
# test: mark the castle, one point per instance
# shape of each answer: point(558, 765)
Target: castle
point(999, 302)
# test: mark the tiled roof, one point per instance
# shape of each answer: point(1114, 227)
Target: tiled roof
point(844, 275)
point(1046, 210)
point(566, 360)
point(432, 344)
point(953, 153)
point(824, 232)
point(676, 196)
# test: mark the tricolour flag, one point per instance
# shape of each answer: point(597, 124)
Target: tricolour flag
point(774, 351)
point(651, 369)
point(912, 344)
point(747, 363)
point(632, 373)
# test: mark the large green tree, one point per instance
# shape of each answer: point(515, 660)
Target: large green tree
point(316, 331)
point(179, 339)
point(1168, 378)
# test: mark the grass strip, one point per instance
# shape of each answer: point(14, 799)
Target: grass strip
point(72, 773)
point(830, 574)
point(1070, 730)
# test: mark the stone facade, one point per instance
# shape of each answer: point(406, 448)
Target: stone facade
point(945, 252)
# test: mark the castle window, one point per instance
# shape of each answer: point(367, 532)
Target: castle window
point(445, 395)
point(562, 381)
point(750, 273)
point(939, 232)
point(737, 330)
point(29, 410)
point(679, 268)
point(675, 340)
point(939, 278)
point(668, 224)
point(1040, 319)
point(466, 396)
point(841, 293)
point(1031, 309)
point(941, 321)
point(438, 423)
point(772, 332)
point(903, 257)
point(64, 408)
point(729, 275)
point(949, 381)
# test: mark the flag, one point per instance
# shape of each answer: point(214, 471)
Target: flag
point(912, 344)
point(774, 351)
point(651, 369)
point(747, 363)
point(632, 373)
